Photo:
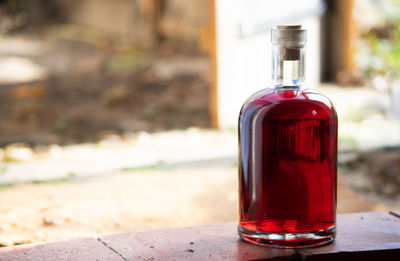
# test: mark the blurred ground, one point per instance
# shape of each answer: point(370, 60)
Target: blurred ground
point(189, 178)
point(132, 200)
point(58, 90)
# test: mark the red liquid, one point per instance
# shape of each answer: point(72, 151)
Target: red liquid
point(287, 165)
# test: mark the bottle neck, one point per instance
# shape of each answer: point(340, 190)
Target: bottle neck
point(288, 66)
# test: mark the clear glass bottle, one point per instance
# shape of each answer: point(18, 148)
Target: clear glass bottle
point(287, 155)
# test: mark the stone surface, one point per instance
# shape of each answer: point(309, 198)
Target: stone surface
point(361, 236)
point(361, 233)
point(211, 242)
point(82, 249)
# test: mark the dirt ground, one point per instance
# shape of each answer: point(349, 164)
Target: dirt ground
point(129, 201)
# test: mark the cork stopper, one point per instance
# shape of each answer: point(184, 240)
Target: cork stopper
point(290, 38)
point(288, 35)
point(280, 26)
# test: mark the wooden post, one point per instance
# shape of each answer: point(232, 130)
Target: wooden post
point(151, 12)
point(346, 8)
point(158, 7)
point(208, 43)
point(339, 35)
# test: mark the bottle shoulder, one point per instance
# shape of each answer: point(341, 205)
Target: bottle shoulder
point(290, 103)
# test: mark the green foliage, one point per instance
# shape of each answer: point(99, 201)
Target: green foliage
point(55, 181)
point(125, 61)
point(145, 167)
point(3, 169)
point(382, 42)
point(343, 168)
point(387, 50)
point(6, 186)
point(354, 114)
point(392, 148)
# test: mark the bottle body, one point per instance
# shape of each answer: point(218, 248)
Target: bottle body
point(287, 168)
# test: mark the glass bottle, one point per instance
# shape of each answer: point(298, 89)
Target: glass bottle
point(287, 155)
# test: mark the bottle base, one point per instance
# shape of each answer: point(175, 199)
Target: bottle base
point(288, 240)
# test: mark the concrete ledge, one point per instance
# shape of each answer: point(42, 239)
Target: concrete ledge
point(361, 236)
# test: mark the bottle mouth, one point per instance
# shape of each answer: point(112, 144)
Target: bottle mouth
point(289, 35)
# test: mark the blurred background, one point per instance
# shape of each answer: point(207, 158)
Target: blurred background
point(118, 116)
